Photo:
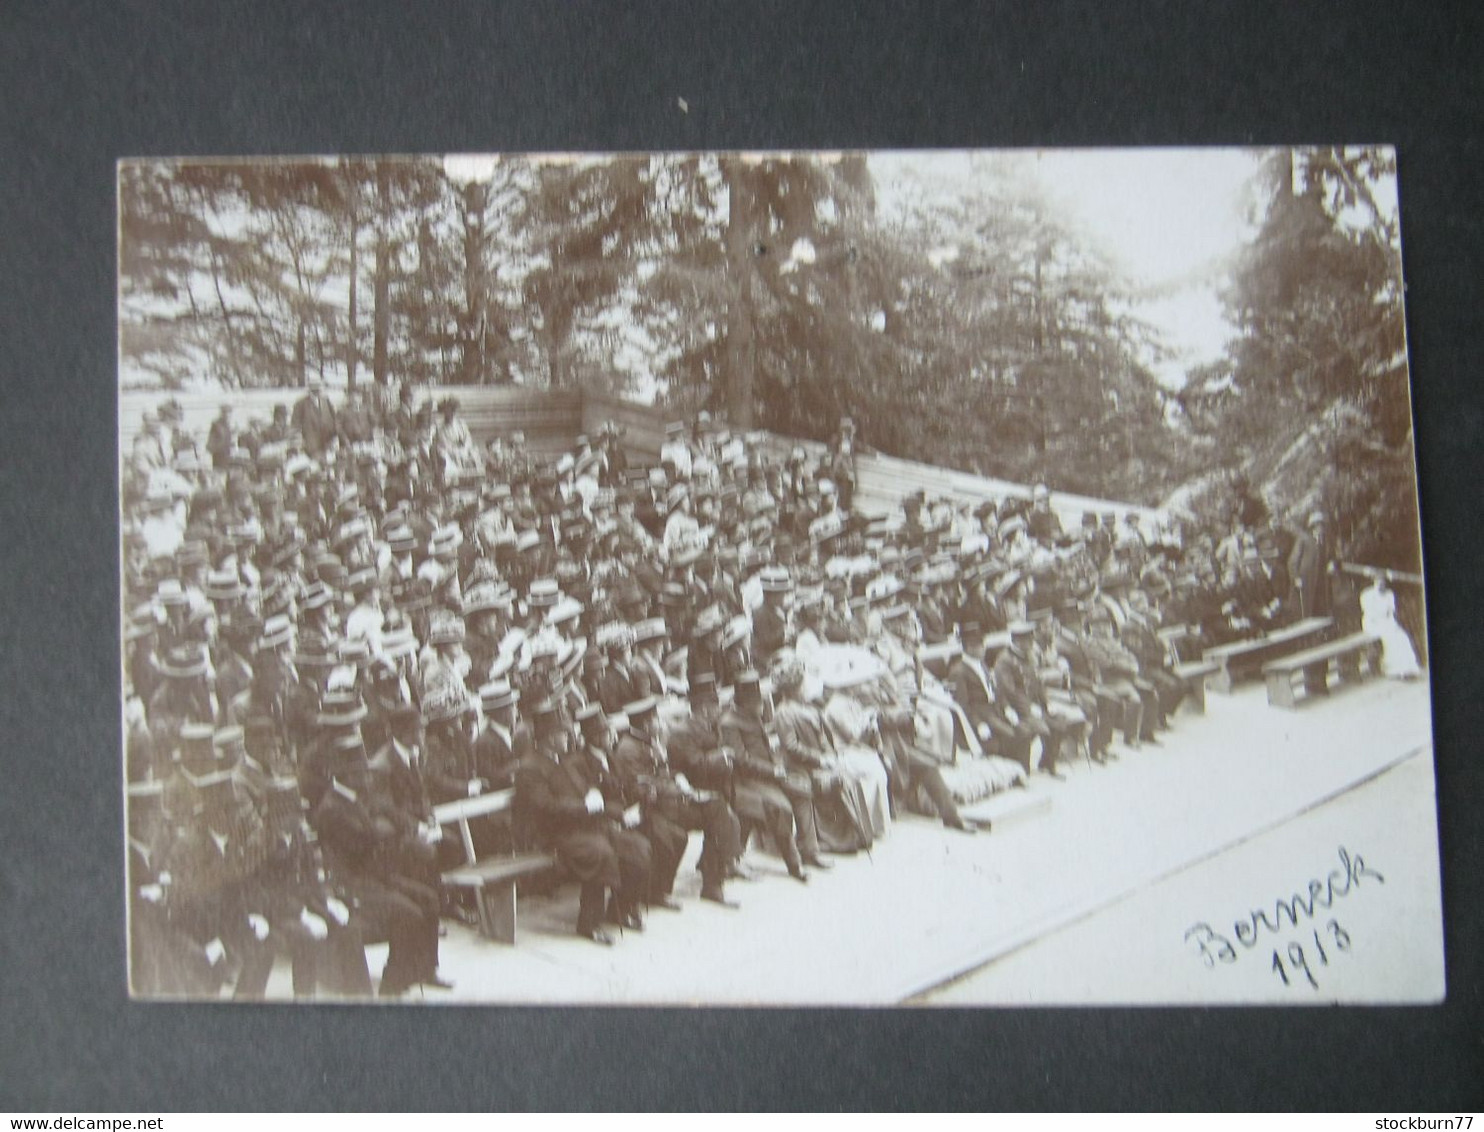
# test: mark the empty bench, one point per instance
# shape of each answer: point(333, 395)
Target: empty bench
point(493, 879)
point(1241, 660)
point(1349, 655)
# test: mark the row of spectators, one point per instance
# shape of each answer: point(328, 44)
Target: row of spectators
point(344, 616)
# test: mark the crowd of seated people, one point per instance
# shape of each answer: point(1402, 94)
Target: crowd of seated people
point(344, 616)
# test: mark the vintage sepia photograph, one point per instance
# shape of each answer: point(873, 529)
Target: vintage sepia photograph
point(926, 578)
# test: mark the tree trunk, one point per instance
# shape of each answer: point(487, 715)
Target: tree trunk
point(474, 285)
point(355, 269)
point(382, 282)
point(741, 244)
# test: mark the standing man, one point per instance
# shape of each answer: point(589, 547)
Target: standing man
point(315, 419)
point(1309, 568)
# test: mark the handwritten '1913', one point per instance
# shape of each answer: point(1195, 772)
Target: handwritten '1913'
point(1214, 947)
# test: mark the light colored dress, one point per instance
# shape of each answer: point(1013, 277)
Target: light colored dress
point(852, 724)
point(1378, 617)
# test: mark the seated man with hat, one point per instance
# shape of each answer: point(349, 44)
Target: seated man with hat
point(382, 869)
point(1019, 687)
point(767, 797)
point(772, 625)
point(575, 811)
point(211, 864)
point(503, 740)
point(304, 913)
point(670, 806)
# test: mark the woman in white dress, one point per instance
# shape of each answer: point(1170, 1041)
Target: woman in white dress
point(1378, 617)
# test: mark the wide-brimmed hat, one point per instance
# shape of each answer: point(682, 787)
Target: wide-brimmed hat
point(483, 596)
point(341, 708)
point(650, 629)
point(398, 643)
point(544, 593)
point(445, 701)
point(566, 609)
point(445, 628)
point(497, 695)
point(446, 541)
point(183, 662)
point(775, 579)
point(278, 631)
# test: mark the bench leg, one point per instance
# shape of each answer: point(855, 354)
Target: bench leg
point(1195, 693)
point(1280, 689)
point(1348, 667)
point(1221, 679)
point(1316, 679)
point(497, 911)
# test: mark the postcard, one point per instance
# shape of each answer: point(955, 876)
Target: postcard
point(981, 578)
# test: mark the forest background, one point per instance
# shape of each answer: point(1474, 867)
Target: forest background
point(986, 327)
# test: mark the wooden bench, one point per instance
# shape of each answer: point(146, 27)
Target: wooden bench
point(1194, 674)
point(1181, 648)
point(1349, 655)
point(493, 879)
point(1241, 660)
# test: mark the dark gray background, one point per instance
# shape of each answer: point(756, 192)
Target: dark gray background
point(81, 86)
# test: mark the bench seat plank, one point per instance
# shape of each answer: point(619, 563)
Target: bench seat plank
point(1239, 659)
point(493, 870)
point(1313, 664)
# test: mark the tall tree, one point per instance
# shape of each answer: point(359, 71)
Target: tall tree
point(1316, 402)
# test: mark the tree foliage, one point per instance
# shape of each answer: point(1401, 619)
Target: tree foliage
point(983, 331)
point(1312, 401)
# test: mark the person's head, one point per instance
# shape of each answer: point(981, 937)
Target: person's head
point(593, 724)
point(549, 730)
point(641, 715)
point(703, 702)
point(498, 700)
point(407, 725)
point(748, 691)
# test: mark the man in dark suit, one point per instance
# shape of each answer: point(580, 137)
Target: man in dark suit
point(315, 419)
point(671, 808)
point(560, 789)
point(772, 627)
point(1101, 706)
point(1018, 686)
point(504, 740)
point(972, 687)
point(764, 796)
point(212, 864)
point(381, 867)
point(1308, 568)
